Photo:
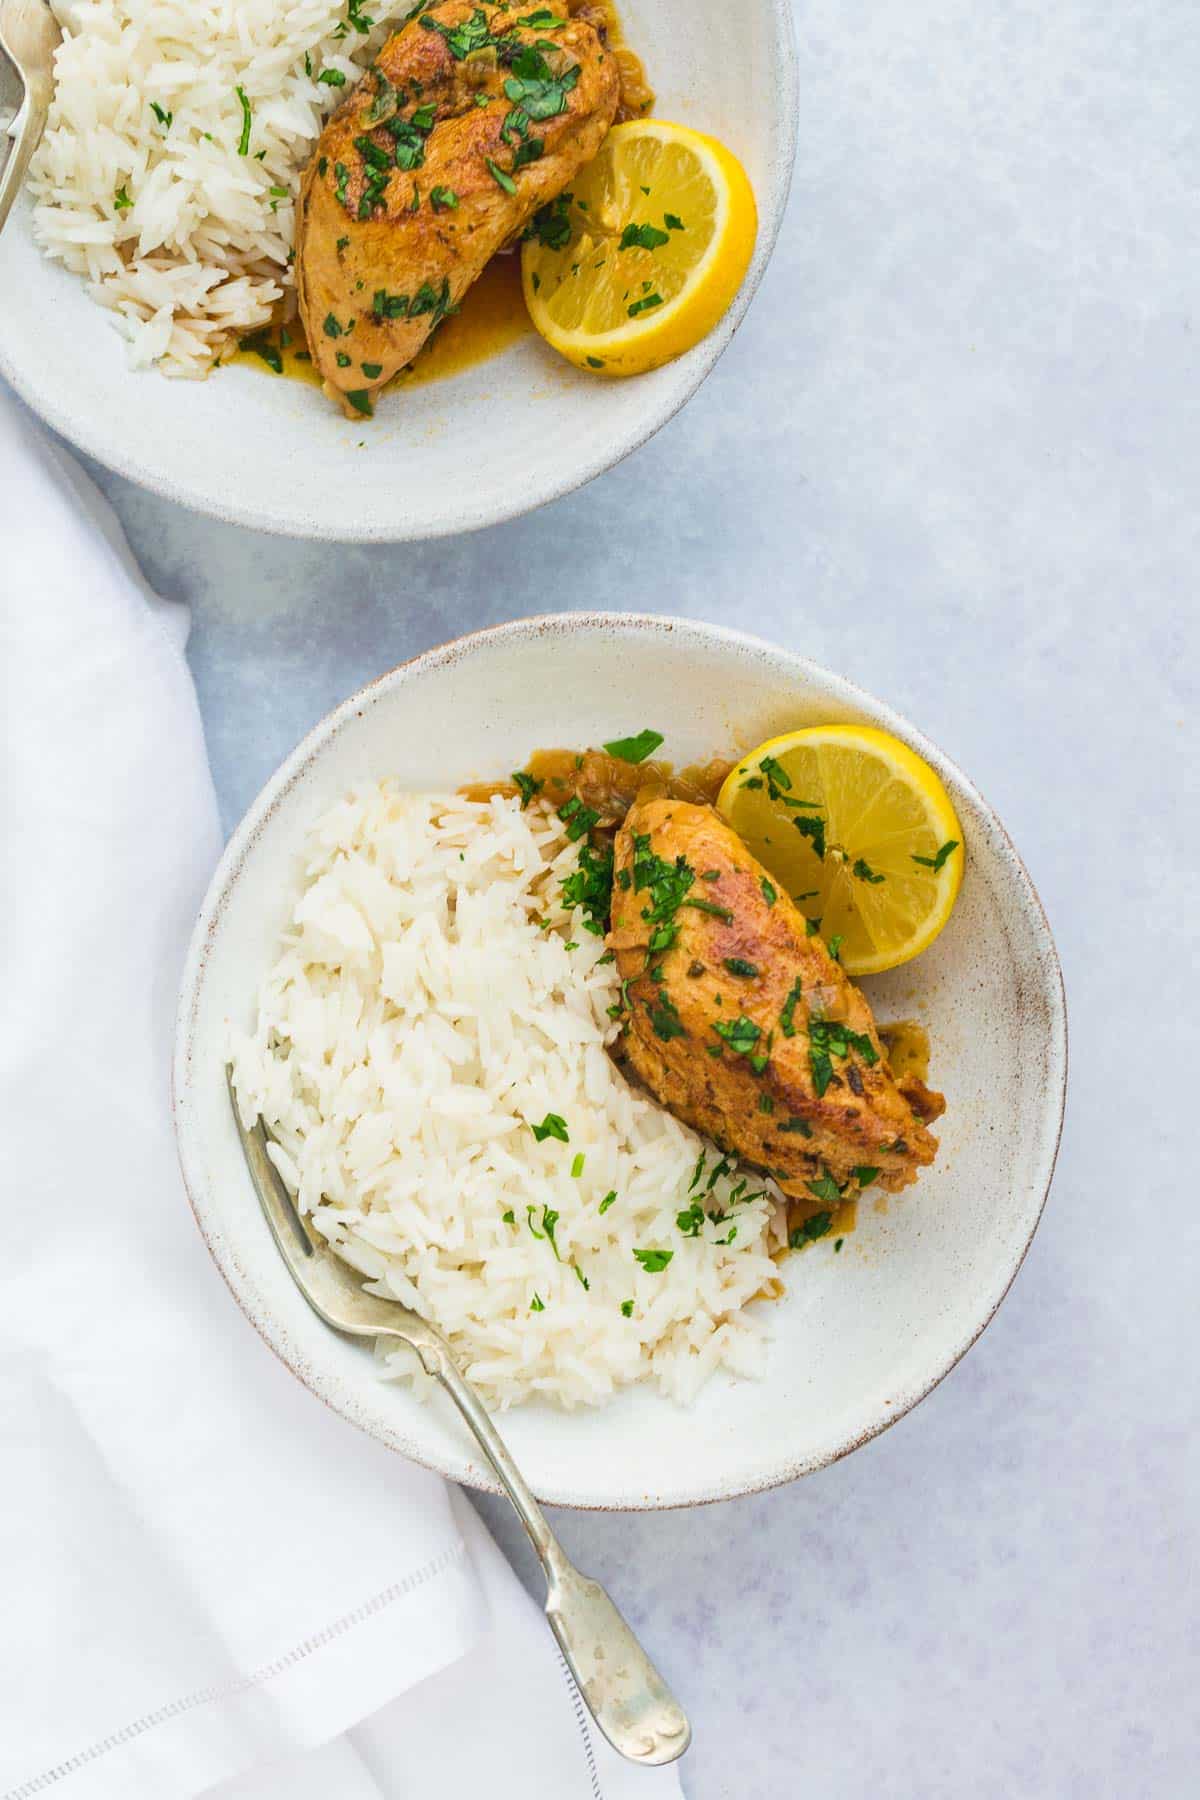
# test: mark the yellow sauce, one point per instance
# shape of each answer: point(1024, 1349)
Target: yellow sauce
point(492, 317)
point(907, 1046)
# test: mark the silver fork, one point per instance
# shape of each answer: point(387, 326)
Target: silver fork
point(29, 36)
point(626, 1695)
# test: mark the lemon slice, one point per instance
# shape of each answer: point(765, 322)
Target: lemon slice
point(859, 831)
point(645, 253)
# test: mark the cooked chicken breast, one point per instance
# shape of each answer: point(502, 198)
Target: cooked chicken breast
point(466, 125)
point(742, 1024)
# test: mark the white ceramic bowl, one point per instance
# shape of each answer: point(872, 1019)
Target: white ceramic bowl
point(859, 1338)
point(276, 455)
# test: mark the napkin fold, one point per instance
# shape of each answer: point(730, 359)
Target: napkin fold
point(210, 1582)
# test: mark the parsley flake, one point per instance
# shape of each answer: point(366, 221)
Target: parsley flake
point(634, 749)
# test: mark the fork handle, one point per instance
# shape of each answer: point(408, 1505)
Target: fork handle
point(627, 1697)
point(26, 132)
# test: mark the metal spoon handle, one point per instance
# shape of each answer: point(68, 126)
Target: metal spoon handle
point(627, 1697)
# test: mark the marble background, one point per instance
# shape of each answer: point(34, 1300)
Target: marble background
point(953, 453)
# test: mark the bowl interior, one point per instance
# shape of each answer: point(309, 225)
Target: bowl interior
point(860, 1336)
point(428, 463)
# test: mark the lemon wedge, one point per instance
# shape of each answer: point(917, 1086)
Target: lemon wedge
point(645, 253)
point(859, 831)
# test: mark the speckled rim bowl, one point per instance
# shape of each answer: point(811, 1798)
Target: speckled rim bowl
point(451, 456)
point(860, 1337)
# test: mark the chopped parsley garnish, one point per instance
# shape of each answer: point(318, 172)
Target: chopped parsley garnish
point(741, 1034)
point(641, 237)
point(527, 785)
point(552, 1126)
point(500, 176)
point(828, 1038)
point(443, 199)
point(627, 1309)
point(429, 299)
point(865, 1175)
point(608, 1200)
point(581, 1277)
point(710, 906)
point(591, 887)
point(551, 225)
point(834, 946)
point(765, 1103)
point(537, 1304)
point(778, 779)
point(510, 1217)
point(801, 1127)
point(737, 965)
point(825, 1188)
point(464, 39)
point(360, 400)
point(331, 327)
point(343, 361)
point(936, 862)
point(372, 371)
point(342, 174)
point(647, 303)
point(814, 830)
point(577, 818)
point(667, 885)
point(549, 1225)
point(247, 120)
point(577, 1165)
point(691, 1220)
point(807, 1233)
point(593, 362)
point(634, 749)
point(698, 1172)
point(386, 101)
point(787, 1015)
point(261, 345)
point(672, 222)
point(770, 893)
point(654, 1261)
point(664, 1016)
point(865, 872)
point(121, 200)
point(332, 78)
point(838, 1244)
point(164, 118)
point(389, 306)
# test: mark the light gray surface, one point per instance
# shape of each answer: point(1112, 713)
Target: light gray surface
point(953, 453)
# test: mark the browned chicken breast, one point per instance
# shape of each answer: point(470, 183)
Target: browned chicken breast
point(469, 121)
point(742, 1024)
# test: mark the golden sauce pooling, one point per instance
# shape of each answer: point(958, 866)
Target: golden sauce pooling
point(492, 316)
point(907, 1046)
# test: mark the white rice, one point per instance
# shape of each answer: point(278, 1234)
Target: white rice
point(170, 224)
point(432, 1001)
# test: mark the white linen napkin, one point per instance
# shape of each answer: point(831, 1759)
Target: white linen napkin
point(209, 1581)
